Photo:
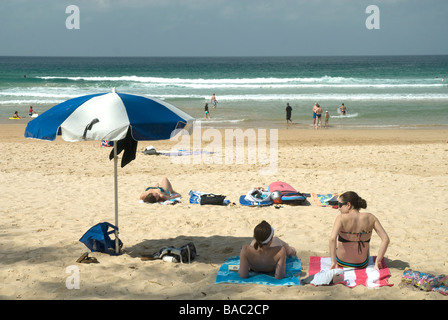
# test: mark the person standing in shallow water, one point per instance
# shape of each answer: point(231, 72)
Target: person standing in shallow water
point(288, 114)
point(214, 101)
point(343, 109)
point(327, 118)
point(314, 114)
point(207, 112)
point(318, 111)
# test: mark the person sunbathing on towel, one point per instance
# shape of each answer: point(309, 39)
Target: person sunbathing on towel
point(352, 231)
point(266, 253)
point(161, 192)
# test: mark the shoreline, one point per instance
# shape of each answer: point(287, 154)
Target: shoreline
point(305, 135)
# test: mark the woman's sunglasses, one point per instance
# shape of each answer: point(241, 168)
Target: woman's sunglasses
point(340, 204)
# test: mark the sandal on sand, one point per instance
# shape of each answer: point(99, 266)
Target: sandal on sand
point(84, 258)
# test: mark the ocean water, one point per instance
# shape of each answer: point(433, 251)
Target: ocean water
point(378, 91)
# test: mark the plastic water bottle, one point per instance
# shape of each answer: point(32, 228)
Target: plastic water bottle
point(169, 259)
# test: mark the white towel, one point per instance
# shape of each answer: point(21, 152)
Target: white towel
point(325, 277)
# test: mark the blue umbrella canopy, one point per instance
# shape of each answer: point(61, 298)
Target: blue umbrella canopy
point(114, 117)
point(108, 116)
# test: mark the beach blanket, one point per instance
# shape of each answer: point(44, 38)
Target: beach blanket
point(368, 277)
point(150, 150)
point(179, 153)
point(292, 278)
point(325, 200)
point(256, 197)
point(245, 202)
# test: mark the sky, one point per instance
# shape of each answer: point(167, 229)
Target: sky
point(222, 27)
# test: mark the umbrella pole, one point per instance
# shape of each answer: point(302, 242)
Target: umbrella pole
point(117, 247)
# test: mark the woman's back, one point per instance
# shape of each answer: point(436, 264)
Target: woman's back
point(352, 232)
point(355, 223)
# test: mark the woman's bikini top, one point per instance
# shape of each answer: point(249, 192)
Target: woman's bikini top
point(360, 242)
point(160, 188)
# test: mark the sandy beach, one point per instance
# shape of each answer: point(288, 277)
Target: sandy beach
point(53, 192)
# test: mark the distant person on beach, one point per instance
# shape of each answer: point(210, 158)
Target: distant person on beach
point(31, 111)
point(266, 253)
point(314, 114)
point(318, 116)
point(16, 115)
point(288, 114)
point(207, 112)
point(214, 101)
point(351, 234)
point(343, 109)
point(159, 193)
point(327, 118)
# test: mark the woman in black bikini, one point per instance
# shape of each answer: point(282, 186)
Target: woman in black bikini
point(352, 231)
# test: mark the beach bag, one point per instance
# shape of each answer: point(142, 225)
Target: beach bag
point(214, 199)
point(203, 198)
point(97, 238)
point(184, 254)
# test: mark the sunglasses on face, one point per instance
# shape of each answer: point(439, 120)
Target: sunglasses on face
point(340, 204)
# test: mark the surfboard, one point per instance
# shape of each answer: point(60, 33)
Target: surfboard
point(288, 193)
point(14, 118)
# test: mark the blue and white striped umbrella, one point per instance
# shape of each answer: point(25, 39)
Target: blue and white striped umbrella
point(109, 116)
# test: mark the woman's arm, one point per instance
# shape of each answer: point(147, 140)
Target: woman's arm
point(384, 243)
point(333, 241)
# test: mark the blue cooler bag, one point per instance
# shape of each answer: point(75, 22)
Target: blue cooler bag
point(97, 238)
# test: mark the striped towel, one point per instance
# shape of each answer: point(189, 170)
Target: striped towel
point(369, 277)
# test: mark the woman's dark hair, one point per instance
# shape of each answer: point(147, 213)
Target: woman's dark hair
point(261, 233)
point(356, 201)
point(150, 198)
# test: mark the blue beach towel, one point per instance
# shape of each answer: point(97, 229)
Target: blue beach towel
point(292, 277)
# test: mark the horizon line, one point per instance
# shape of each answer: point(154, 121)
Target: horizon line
point(226, 56)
